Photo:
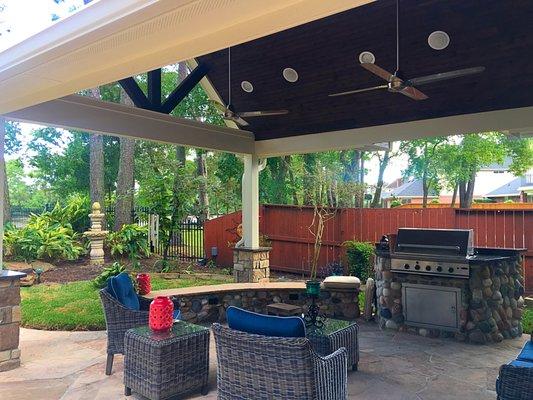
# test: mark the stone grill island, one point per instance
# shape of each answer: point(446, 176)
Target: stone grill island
point(477, 300)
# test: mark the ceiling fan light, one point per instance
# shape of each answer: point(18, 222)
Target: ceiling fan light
point(247, 86)
point(290, 75)
point(438, 40)
point(367, 57)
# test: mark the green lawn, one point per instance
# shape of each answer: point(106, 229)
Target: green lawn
point(76, 305)
point(527, 320)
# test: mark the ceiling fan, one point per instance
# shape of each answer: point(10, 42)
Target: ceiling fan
point(396, 83)
point(228, 113)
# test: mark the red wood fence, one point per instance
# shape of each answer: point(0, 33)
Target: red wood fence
point(287, 228)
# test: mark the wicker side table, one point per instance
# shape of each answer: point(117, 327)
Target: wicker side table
point(160, 366)
point(333, 335)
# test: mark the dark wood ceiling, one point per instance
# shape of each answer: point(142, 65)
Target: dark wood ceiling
point(495, 34)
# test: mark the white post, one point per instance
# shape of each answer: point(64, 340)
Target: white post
point(250, 201)
point(2, 185)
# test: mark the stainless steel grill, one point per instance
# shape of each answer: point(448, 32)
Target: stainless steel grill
point(435, 252)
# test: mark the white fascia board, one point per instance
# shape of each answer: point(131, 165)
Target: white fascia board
point(91, 115)
point(499, 120)
point(113, 39)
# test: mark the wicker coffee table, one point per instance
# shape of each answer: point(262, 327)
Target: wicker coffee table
point(333, 335)
point(160, 366)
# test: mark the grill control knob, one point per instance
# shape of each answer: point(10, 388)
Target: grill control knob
point(407, 266)
point(417, 267)
point(439, 268)
point(428, 267)
point(450, 270)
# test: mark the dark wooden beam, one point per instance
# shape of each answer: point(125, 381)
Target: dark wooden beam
point(154, 89)
point(136, 94)
point(184, 88)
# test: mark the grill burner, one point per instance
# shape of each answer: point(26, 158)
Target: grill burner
point(437, 252)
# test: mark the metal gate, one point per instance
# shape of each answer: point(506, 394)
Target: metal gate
point(186, 243)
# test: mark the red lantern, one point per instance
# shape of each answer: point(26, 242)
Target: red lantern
point(143, 283)
point(161, 314)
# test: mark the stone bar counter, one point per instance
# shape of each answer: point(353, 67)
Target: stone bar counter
point(9, 319)
point(491, 299)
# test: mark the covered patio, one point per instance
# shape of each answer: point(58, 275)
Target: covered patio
point(279, 71)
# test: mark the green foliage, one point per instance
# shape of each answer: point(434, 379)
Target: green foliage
point(74, 213)
point(508, 201)
point(131, 240)
point(395, 203)
point(113, 270)
point(434, 201)
point(359, 256)
point(484, 201)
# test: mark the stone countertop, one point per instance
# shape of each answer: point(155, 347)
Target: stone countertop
point(228, 287)
point(7, 275)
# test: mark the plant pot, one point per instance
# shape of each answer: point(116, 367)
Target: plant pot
point(313, 287)
point(161, 315)
point(144, 284)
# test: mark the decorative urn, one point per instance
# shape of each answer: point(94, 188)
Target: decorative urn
point(161, 314)
point(143, 283)
point(313, 288)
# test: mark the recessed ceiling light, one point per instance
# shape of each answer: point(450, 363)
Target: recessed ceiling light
point(290, 75)
point(367, 57)
point(438, 40)
point(247, 86)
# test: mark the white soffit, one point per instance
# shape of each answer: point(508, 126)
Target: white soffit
point(515, 119)
point(87, 114)
point(114, 39)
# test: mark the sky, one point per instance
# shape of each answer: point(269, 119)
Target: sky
point(20, 19)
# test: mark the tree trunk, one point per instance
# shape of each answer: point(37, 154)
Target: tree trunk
point(308, 178)
point(287, 160)
point(174, 218)
point(383, 163)
point(96, 163)
point(201, 172)
point(425, 190)
point(7, 203)
point(125, 179)
point(466, 192)
point(454, 195)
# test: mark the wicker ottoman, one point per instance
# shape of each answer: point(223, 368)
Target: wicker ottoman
point(333, 335)
point(160, 366)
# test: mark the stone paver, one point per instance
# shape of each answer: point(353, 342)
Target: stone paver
point(70, 366)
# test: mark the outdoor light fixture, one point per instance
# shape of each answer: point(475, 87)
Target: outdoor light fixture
point(367, 57)
point(214, 252)
point(438, 40)
point(290, 75)
point(247, 86)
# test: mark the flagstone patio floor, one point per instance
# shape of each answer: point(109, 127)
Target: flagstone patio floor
point(70, 365)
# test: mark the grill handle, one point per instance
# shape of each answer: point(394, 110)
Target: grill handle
point(428, 246)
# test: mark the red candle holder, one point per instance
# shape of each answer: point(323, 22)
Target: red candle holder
point(143, 283)
point(161, 315)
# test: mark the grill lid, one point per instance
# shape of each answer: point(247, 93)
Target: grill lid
point(450, 242)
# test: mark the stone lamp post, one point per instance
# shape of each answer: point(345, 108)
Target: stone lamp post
point(96, 235)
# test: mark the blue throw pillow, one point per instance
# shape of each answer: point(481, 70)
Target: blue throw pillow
point(267, 325)
point(527, 352)
point(122, 290)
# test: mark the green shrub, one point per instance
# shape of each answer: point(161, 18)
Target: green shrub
point(113, 270)
point(43, 239)
point(508, 201)
point(434, 201)
point(359, 255)
point(131, 241)
point(75, 213)
point(395, 203)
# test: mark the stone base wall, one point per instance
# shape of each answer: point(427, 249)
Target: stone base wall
point(9, 322)
point(491, 300)
point(210, 307)
point(251, 265)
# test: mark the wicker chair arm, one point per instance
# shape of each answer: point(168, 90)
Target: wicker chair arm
point(331, 375)
point(515, 383)
point(144, 303)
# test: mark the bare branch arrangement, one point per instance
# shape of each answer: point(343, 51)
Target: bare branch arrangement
point(321, 215)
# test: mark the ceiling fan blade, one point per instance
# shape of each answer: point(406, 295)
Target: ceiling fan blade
point(422, 80)
point(237, 119)
point(377, 71)
point(413, 93)
point(248, 114)
point(358, 91)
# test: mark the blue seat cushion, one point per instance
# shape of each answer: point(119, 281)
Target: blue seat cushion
point(266, 325)
point(121, 288)
point(520, 363)
point(527, 352)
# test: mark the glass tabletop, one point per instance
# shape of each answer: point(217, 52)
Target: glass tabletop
point(330, 326)
point(179, 329)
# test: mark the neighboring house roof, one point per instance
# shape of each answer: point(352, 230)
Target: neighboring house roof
point(504, 166)
point(411, 188)
point(512, 188)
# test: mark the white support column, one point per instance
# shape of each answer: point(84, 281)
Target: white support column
point(250, 201)
point(2, 185)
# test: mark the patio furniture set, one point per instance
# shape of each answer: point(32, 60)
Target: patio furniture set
point(259, 356)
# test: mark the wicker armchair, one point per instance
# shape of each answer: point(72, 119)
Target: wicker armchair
point(515, 383)
point(118, 320)
point(254, 367)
